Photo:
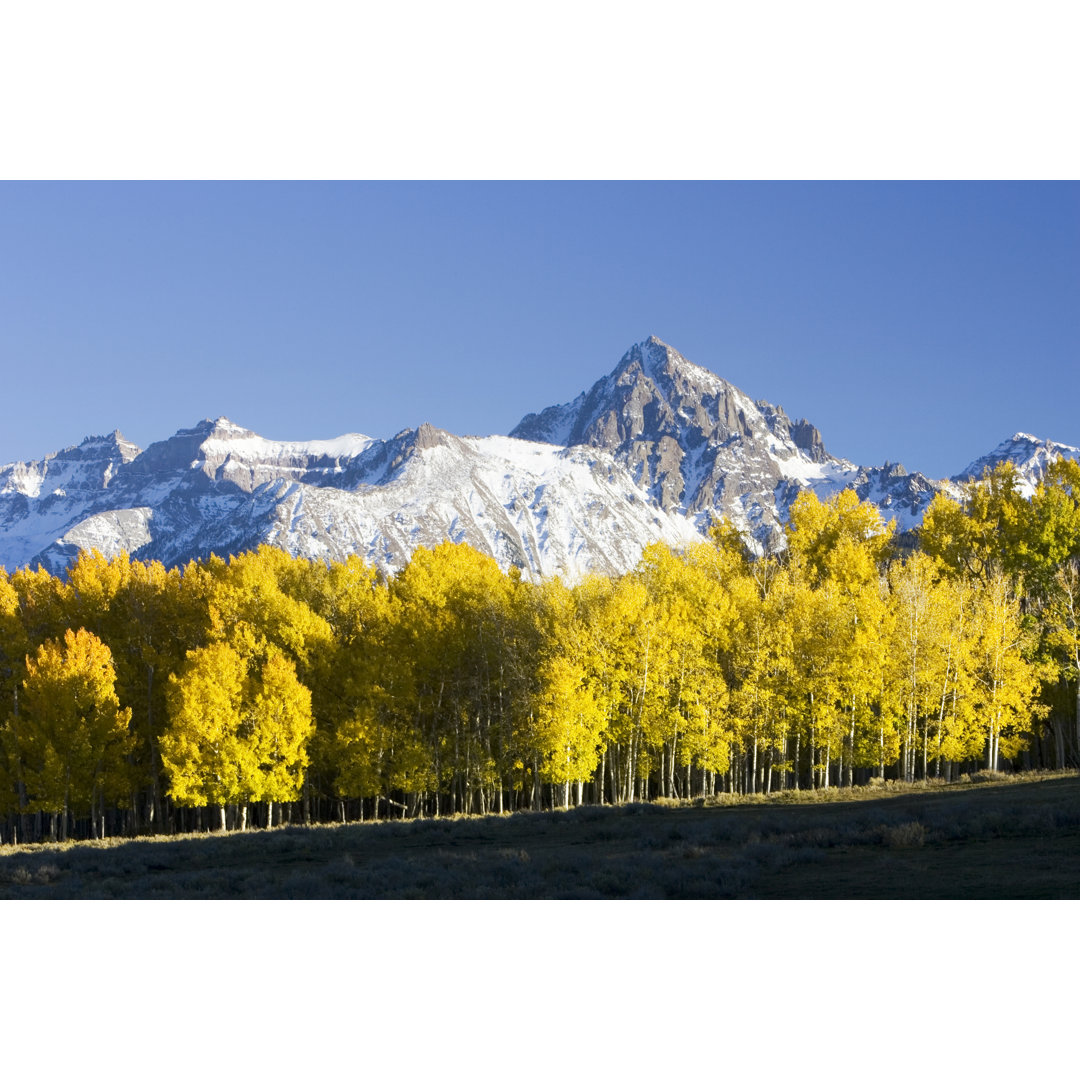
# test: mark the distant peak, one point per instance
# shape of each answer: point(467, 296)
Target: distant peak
point(429, 435)
point(652, 354)
point(95, 447)
point(665, 366)
point(421, 437)
point(114, 438)
point(221, 428)
point(223, 425)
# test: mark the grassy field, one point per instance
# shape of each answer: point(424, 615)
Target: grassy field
point(1000, 838)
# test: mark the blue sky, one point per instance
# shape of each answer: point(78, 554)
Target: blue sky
point(920, 322)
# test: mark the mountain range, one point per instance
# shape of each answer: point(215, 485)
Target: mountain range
point(659, 449)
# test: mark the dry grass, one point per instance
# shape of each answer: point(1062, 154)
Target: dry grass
point(1003, 837)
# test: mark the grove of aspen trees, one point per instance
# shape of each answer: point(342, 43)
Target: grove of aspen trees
point(269, 689)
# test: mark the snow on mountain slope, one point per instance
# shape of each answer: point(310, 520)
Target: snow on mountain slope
point(41, 500)
point(109, 532)
point(1030, 456)
point(220, 488)
point(547, 510)
point(86, 467)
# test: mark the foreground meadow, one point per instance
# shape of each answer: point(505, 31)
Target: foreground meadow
point(996, 837)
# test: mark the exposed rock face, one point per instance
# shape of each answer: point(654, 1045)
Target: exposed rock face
point(700, 445)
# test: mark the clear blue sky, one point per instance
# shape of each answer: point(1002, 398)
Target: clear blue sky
point(920, 322)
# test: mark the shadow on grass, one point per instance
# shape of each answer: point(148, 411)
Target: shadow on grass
point(988, 840)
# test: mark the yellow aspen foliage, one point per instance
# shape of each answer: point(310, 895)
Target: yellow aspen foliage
point(237, 731)
point(202, 748)
point(457, 623)
point(1051, 533)
point(698, 622)
point(360, 684)
point(569, 724)
point(1005, 707)
point(958, 736)
point(44, 604)
point(982, 536)
point(836, 551)
point(71, 736)
point(248, 608)
point(359, 749)
point(1061, 615)
point(281, 725)
point(12, 639)
point(923, 656)
point(760, 661)
point(842, 537)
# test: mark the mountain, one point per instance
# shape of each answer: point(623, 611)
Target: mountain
point(1028, 454)
point(657, 450)
point(702, 447)
point(220, 488)
point(39, 500)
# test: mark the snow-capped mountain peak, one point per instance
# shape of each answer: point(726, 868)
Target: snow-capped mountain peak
point(702, 447)
point(86, 467)
point(1029, 454)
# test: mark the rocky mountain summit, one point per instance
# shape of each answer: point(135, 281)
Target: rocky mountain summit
point(659, 449)
point(702, 447)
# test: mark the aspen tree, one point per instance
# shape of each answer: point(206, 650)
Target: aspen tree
point(246, 592)
point(44, 604)
point(71, 735)
point(137, 609)
point(281, 725)
point(568, 725)
point(835, 550)
point(601, 630)
point(761, 661)
point(982, 535)
point(360, 683)
point(1008, 682)
point(202, 748)
point(959, 738)
point(1050, 536)
point(921, 655)
point(1051, 554)
point(454, 602)
point(1061, 619)
point(13, 649)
